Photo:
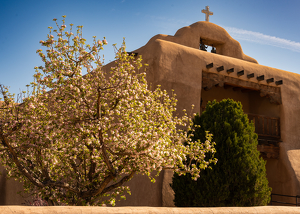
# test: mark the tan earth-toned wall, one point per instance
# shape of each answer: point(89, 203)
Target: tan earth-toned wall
point(261, 105)
point(212, 34)
point(178, 67)
point(9, 189)
point(144, 192)
point(252, 102)
point(219, 93)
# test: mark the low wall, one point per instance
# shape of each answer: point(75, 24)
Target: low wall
point(146, 210)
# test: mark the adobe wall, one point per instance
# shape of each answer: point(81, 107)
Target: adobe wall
point(144, 192)
point(178, 67)
point(212, 34)
point(219, 93)
point(252, 102)
point(9, 189)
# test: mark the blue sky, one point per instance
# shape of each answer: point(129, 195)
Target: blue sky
point(268, 30)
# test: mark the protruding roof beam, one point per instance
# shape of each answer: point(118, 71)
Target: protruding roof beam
point(260, 78)
point(210, 65)
point(221, 68)
point(250, 75)
point(241, 73)
point(231, 70)
point(279, 82)
point(270, 80)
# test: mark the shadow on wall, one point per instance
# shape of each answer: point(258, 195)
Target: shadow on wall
point(2, 186)
point(9, 189)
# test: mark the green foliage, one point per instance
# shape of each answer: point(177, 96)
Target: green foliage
point(239, 177)
point(79, 139)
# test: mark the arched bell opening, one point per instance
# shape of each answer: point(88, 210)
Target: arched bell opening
point(209, 45)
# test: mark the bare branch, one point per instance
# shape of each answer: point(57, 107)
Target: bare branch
point(120, 183)
point(91, 193)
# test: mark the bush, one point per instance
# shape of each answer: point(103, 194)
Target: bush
point(239, 177)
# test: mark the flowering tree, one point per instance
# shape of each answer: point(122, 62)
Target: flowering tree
point(77, 139)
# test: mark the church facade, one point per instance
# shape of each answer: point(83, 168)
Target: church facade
point(269, 96)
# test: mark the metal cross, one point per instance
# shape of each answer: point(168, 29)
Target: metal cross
point(207, 13)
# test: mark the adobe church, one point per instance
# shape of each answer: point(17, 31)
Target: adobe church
point(269, 96)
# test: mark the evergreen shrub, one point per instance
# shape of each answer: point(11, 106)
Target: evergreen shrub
point(239, 177)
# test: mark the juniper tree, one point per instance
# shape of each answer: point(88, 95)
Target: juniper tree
point(239, 177)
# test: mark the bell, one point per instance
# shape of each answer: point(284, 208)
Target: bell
point(202, 46)
point(213, 49)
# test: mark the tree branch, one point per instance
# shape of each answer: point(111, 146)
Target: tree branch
point(60, 184)
point(18, 147)
point(120, 183)
point(103, 147)
point(92, 193)
point(24, 171)
point(15, 128)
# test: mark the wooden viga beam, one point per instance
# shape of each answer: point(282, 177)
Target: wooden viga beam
point(221, 68)
point(279, 82)
point(208, 66)
point(270, 80)
point(250, 75)
point(231, 70)
point(260, 78)
point(240, 73)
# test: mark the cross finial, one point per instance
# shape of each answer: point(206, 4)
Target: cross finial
point(207, 13)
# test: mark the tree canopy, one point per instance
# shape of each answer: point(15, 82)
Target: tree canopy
point(77, 139)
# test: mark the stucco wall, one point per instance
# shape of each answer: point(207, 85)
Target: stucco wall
point(219, 93)
point(9, 189)
point(144, 192)
point(178, 67)
point(212, 34)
